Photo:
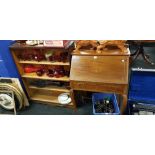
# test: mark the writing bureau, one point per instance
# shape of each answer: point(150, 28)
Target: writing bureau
point(101, 72)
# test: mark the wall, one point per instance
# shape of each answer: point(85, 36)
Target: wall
point(7, 65)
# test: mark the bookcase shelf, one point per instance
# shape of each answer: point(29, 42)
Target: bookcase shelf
point(44, 77)
point(47, 94)
point(52, 100)
point(51, 88)
point(45, 63)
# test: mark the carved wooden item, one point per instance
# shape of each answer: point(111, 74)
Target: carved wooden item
point(86, 43)
point(118, 43)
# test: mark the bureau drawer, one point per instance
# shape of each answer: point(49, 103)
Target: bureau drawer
point(106, 69)
point(99, 87)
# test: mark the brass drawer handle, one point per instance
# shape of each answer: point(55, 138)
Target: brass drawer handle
point(80, 84)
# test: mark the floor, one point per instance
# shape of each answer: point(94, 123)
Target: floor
point(85, 107)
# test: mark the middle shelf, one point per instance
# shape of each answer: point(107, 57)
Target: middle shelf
point(45, 77)
point(44, 63)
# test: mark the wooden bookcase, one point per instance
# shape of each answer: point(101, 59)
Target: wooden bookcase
point(47, 94)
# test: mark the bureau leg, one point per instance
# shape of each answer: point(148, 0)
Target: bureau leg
point(119, 98)
point(73, 99)
point(124, 103)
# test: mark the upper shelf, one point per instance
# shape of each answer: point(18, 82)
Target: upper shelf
point(45, 63)
point(21, 46)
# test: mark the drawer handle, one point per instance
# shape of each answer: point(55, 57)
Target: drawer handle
point(80, 84)
point(123, 60)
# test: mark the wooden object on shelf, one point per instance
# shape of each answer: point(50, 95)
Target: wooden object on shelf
point(21, 41)
point(54, 43)
point(47, 94)
point(117, 43)
point(101, 72)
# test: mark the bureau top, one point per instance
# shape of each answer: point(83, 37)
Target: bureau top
point(109, 52)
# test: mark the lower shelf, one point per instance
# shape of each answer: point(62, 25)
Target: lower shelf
point(51, 88)
point(46, 99)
